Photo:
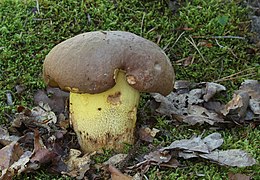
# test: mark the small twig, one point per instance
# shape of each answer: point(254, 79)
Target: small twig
point(159, 39)
point(165, 47)
point(37, 6)
point(219, 44)
point(41, 19)
point(220, 37)
point(151, 30)
point(234, 76)
point(191, 41)
point(142, 24)
point(227, 48)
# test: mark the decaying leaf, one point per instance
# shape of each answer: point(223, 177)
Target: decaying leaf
point(43, 114)
point(10, 154)
point(237, 107)
point(21, 165)
point(199, 114)
point(213, 141)
point(211, 89)
point(117, 175)
point(55, 97)
point(252, 87)
point(147, 134)
point(176, 103)
point(196, 147)
point(194, 103)
point(5, 138)
point(232, 157)
point(197, 144)
point(41, 154)
point(114, 160)
point(39, 116)
point(77, 166)
point(158, 157)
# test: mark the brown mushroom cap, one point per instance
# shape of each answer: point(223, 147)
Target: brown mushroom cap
point(86, 63)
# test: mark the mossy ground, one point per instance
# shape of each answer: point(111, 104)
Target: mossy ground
point(26, 36)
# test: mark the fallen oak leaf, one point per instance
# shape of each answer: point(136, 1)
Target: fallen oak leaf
point(39, 116)
point(197, 144)
point(176, 103)
point(158, 157)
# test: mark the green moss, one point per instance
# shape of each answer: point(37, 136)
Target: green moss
point(26, 36)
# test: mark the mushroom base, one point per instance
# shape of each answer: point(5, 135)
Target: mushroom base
point(105, 120)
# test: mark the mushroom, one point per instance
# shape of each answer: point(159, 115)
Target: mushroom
point(104, 71)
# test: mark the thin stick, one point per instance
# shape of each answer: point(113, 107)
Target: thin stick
point(142, 24)
point(37, 6)
point(220, 37)
point(165, 47)
point(232, 76)
point(227, 48)
point(195, 46)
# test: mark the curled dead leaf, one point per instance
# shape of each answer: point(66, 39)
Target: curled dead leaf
point(237, 107)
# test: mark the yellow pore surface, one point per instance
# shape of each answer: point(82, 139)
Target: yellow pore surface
point(105, 120)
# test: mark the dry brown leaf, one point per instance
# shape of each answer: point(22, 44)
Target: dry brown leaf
point(21, 165)
point(43, 114)
point(5, 138)
point(9, 154)
point(41, 154)
point(236, 108)
point(77, 166)
point(117, 175)
point(55, 97)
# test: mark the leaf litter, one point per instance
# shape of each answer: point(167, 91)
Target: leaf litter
point(194, 103)
point(42, 136)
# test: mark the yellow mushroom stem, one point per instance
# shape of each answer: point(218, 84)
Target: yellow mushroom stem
point(105, 120)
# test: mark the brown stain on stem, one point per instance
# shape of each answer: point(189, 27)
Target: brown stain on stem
point(114, 99)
